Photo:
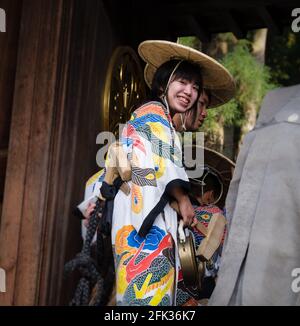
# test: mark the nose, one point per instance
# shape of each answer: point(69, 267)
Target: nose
point(188, 89)
point(204, 112)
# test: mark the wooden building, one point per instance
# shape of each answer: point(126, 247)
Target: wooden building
point(67, 68)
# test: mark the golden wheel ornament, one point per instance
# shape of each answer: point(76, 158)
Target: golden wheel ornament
point(124, 87)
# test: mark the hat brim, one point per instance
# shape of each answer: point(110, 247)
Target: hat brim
point(216, 78)
point(224, 168)
point(218, 96)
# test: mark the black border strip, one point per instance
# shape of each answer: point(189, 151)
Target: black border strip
point(165, 198)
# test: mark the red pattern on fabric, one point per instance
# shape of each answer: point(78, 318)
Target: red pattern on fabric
point(133, 269)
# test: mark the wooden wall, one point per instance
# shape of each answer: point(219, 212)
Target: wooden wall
point(63, 53)
point(8, 59)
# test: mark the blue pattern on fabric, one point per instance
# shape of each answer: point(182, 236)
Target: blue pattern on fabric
point(152, 240)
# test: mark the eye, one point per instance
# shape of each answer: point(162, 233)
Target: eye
point(182, 81)
point(196, 87)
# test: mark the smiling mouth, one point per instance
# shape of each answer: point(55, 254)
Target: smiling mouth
point(183, 101)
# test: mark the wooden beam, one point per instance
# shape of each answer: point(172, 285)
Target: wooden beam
point(164, 11)
point(232, 24)
point(198, 31)
point(198, 7)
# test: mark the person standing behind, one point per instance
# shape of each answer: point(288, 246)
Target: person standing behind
point(261, 252)
point(205, 194)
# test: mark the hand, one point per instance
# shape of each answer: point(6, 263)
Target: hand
point(88, 212)
point(195, 222)
point(186, 210)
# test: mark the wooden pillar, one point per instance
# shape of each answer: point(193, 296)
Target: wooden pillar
point(34, 147)
point(8, 59)
point(64, 51)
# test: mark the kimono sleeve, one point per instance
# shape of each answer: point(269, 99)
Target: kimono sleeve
point(92, 190)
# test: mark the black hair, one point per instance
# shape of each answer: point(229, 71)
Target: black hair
point(187, 70)
point(211, 181)
point(208, 93)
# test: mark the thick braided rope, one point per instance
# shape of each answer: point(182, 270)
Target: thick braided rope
point(86, 265)
point(106, 261)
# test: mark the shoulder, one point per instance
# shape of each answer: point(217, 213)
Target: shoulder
point(152, 107)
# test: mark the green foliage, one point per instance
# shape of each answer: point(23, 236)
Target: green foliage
point(190, 41)
point(253, 81)
point(283, 56)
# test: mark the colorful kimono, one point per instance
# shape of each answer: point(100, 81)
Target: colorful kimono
point(188, 296)
point(144, 226)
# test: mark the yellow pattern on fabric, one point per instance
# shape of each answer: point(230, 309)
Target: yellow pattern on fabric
point(150, 176)
point(159, 294)
point(94, 178)
point(136, 199)
point(159, 165)
point(121, 279)
point(162, 281)
point(158, 130)
point(144, 288)
point(121, 244)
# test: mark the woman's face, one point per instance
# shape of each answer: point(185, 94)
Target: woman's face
point(181, 96)
point(201, 112)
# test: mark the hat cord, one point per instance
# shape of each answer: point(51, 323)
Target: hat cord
point(202, 184)
point(164, 99)
point(164, 96)
point(183, 122)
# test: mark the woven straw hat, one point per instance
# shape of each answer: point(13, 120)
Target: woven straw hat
point(222, 166)
point(216, 78)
